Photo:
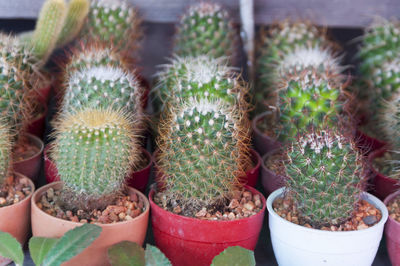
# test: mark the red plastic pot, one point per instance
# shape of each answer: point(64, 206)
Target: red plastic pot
point(138, 179)
point(44, 94)
point(30, 166)
point(191, 241)
point(367, 144)
point(36, 127)
point(382, 185)
point(262, 142)
point(269, 179)
point(392, 233)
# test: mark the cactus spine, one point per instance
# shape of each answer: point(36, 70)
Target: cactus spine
point(5, 151)
point(390, 121)
point(94, 150)
point(325, 177)
point(206, 29)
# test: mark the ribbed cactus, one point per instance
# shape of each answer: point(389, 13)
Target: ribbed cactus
point(325, 177)
point(389, 121)
point(5, 150)
point(94, 149)
point(206, 29)
point(203, 150)
point(115, 22)
point(103, 86)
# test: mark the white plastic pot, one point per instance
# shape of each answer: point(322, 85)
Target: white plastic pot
point(298, 245)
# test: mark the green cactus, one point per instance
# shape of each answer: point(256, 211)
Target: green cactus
point(94, 149)
point(205, 29)
point(5, 151)
point(203, 150)
point(325, 177)
point(115, 22)
point(74, 21)
point(102, 86)
point(389, 119)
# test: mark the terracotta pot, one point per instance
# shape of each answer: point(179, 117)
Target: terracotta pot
point(30, 167)
point(15, 219)
point(36, 127)
point(269, 179)
point(382, 185)
point(392, 233)
point(45, 225)
point(262, 142)
point(138, 179)
point(367, 144)
point(191, 241)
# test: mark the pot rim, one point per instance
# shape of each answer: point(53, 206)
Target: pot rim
point(58, 183)
point(37, 142)
point(255, 121)
point(376, 154)
point(376, 202)
point(31, 184)
point(186, 218)
point(386, 201)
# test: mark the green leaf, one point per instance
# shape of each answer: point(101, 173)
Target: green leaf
point(39, 247)
point(71, 244)
point(154, 257)
point(10, 248)
point(126, 253)
point(234, 256)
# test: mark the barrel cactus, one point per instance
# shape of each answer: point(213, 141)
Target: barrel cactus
point(94, 149)
point(5, 151)
point(206, 29)
point(115, 22)
point(203, 150)
point(325, 176)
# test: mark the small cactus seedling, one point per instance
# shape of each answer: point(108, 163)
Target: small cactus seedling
point(94, 149)
point(115, 22)
point(205, 29)
point(5, 151)
point(325, 176)
point(203, 150)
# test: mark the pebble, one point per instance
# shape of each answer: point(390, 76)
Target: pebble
point(2, 201)
point(249, 205)
point(177, 209)
point(362, 226)
point(370, 220)
point(201, 213)
point(233, 204)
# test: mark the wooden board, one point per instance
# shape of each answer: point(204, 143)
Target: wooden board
point(339, 13)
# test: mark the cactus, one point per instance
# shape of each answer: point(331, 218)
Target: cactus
point(389, 119)
point(5, 151)
point(325, 176)
point(94, 149)
point(75, 18)
point(201, 77)
point(113, 21)
point(205, 29)
point(103, 86)
point(203, 150)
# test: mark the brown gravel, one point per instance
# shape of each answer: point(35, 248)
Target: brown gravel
point(275, 163)
point(364, 217)
point(394, 208)
point(124, 209)
point(24, 149)
point(243, 204)
point(14, 190)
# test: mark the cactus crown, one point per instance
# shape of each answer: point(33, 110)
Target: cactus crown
point(205, 29)
point(94, 150)
point(114, 21)
point(325, 176)
point(203, 150)
point(103, 86)
point(5, 151)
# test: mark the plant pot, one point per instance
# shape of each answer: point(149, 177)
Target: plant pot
point(367, 144)
point(392, 233)
point(269, 179)
point(45, 225)
point(44, 94)
point(15, 219)
point(298, 245)
point(36, 127)
point(30, 166)
point(138, 179)
point(191, 241)
point(262, 142)
point(382, 185)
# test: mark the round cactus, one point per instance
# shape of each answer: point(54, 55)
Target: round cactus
point(325, 177)
point(115, 22)
point(389, 121)
point(205, 29)
point(5, 150)
point(94, 149)
point(203, 150)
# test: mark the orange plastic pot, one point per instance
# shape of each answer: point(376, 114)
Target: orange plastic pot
point(45, 225)
point(195, 242)
point(392, 233)
point(15, 219)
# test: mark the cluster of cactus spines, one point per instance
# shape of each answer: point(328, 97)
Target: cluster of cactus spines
point(5, 150)
point(203, 151)
point(389, 121)
point(94, 150)
point(206, 29)
point(113, 21)
point(201, 77)
point(103, 86)
point(74, 21)
point(325, 176)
